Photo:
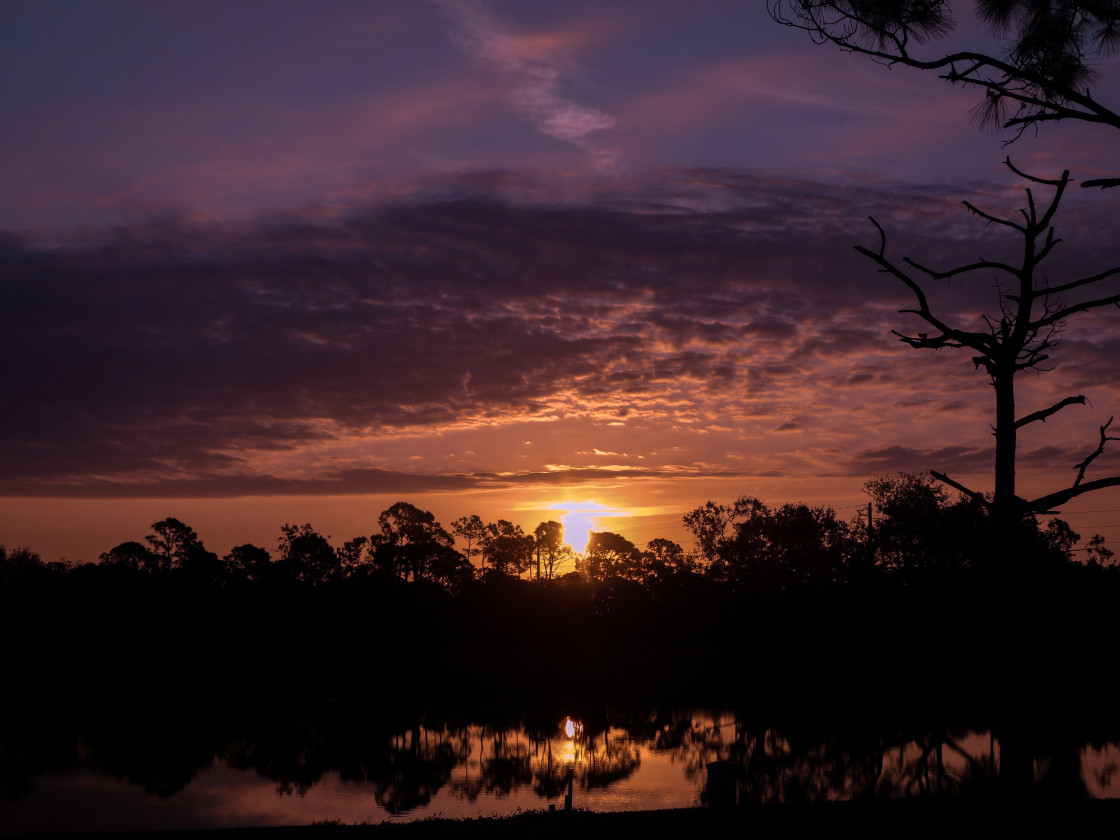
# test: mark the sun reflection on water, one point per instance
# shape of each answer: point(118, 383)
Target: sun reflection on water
point(571, 751)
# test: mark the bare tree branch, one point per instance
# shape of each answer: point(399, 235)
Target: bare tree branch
point(1084, 465)
point(993, 219)
point(1084, 281)
point(980, 264)
point(1059, 186)
point(1047, 412)
point(972, 494)
point(1018, 338)
point(949, 337)
point(1050, 182)
point(1079, 486)
point(1061, 314)
point(1053, 500)
point(1103, 183)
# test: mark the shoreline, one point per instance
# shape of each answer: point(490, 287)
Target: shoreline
point(931, 816)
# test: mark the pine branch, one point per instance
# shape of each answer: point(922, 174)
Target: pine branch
point(1038, 97)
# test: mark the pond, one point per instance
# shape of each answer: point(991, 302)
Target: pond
point(299, 772)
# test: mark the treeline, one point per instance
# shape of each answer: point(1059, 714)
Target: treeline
point(910, 529)
point(790, 596)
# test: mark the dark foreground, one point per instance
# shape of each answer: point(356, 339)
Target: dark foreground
point(913, 818)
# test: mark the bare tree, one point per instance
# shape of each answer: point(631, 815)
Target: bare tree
point(1040, 71)
point(1032, 316)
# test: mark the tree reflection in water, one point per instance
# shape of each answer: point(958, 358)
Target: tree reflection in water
point(500, 761)
point(796, 766)
point(774, 765)
point(420, 763)
point(404, 767)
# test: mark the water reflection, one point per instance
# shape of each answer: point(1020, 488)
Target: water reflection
point(340, 767)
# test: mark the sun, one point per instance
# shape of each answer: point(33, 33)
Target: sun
point(580, 519)
point(577, 530)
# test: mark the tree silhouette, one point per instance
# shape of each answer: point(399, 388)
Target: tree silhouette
point(1098, 554)
point(508, 548)
point(172, 546)
point(354, 554)
point(448, 568)
point(710, 525)
point(306, 554)
point(21, 564)
point(471, 530)
point(1039, 71)
point(1021, 337)
point(664, 559)
point(412, 544)
point(172, 542)
point(919, 528)
point(611, 555)
point(549, 544)
point(248, 561)
point(717, 527)
point(131, 555)
point(807, 544)
point(750, 546)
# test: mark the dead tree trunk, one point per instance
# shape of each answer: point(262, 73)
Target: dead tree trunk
point(1004, 511)
point(1030, 321)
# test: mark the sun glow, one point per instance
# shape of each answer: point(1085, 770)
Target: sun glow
point(581, 518)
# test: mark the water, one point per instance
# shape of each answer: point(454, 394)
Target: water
point(302, 772)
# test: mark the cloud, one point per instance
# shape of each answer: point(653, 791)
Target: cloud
point(358, 483)
point(668, 320)
point(536, 67)
point(901, 458)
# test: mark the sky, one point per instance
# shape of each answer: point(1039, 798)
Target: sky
point(266, 262)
